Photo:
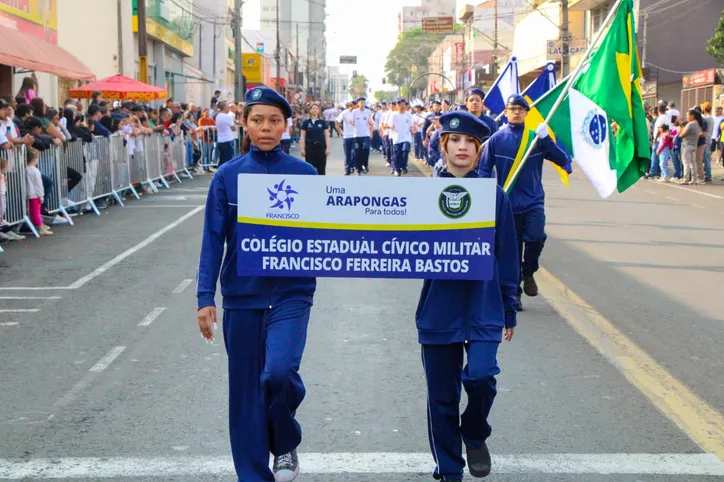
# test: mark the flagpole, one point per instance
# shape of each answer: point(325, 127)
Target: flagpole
point(569, 84)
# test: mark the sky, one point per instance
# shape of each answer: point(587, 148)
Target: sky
point(366, 29)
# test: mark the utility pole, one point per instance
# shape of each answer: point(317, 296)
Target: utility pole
point(278, 53)
point(238, 69)
point(565, 40)
point(643, 48)
point(495, 43)
point(213, 67)
point(142, 43)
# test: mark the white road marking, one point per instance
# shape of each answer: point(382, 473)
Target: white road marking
point(29, 310)
point(182, 286)
point(651, 192)
point(108, 359)
point(155, 313)
point(105, 267)
point(364, 463)
point(693, 190)
point(671, 198)
point(699, 206)
point(9, 323)
point(30, 297)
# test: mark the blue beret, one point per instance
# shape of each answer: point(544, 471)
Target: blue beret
point(435, 102)
point(461, 107)
point(267, 96)
point(475, 91)
point(518, 100)
point(400, 100)
point(445, 101)
point(461, 122)
point(361, 99)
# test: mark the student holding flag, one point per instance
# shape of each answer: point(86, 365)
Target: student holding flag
point(503, 153)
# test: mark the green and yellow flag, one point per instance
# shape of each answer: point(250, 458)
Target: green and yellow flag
point(606, 91)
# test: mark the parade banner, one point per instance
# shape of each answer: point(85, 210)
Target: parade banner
point(439, 228)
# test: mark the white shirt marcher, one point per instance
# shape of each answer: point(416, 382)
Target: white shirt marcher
point(224, 123)
point(346, 118)
point(401, 127)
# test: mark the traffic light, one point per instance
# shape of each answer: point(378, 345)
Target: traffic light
point(384, 81)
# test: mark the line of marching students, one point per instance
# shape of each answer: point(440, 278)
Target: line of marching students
point(265, 319)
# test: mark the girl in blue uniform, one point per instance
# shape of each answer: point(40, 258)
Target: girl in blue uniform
point(265, 319)
point(457, 317)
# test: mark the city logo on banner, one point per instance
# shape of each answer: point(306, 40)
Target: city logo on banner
point(454, 202)
point(282, 196)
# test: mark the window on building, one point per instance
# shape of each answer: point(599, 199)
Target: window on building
point(598, 15)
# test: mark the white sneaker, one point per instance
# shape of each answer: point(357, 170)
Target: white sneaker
point(58, 219)
point(45, 231)
point(5, 238)
point(14, 236)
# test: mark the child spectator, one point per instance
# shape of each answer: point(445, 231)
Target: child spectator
point(36, 194)
point(665, 141)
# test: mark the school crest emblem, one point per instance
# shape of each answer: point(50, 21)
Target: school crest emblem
point(454, 202)
point(256, 95)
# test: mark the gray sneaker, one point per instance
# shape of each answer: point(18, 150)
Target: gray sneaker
point(286, 467)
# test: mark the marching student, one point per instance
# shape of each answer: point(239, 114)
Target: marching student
point(345, 120)
point(527, 196)
point(474, 103)
point(386, 126)
point(402, 130)
point(315, 140)
point(455, 317)
point(265, 319)
point(363, 126)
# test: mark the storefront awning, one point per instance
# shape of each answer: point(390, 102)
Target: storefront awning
point(19, 49)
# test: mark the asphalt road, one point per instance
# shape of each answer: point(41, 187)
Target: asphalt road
point(615, 373)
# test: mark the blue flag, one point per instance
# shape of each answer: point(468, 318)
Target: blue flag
point(505, 85)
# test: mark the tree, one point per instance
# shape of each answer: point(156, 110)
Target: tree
point(384, 95)
point(358, 86)
point(715, 46)
point(412, 49)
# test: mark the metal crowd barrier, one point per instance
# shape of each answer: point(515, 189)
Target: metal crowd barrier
point(81, 174)
point(207, 144)
point(16, 209)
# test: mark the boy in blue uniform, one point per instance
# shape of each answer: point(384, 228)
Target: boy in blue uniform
point(454, 317)
point(265, 319)
point(527, 196)
point(474, 103)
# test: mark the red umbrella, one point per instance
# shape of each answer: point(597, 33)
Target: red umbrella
point(121, 88)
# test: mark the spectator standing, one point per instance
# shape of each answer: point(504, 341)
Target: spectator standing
point(689, 139)
point(36, 194)
point(28, 90)
point(225, 128)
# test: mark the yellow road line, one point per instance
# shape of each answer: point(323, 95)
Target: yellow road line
point(696, 418)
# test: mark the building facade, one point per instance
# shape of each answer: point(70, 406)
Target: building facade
point(411, 17)
point(170, 29)
point(302, 31)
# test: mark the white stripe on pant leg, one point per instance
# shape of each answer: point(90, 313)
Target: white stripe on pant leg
point(429, 411)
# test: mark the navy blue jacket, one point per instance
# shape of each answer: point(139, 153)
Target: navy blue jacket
point(433, 148)
point(220, 223)
point(490, 122)
point(499, 153)
point(455, 311)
